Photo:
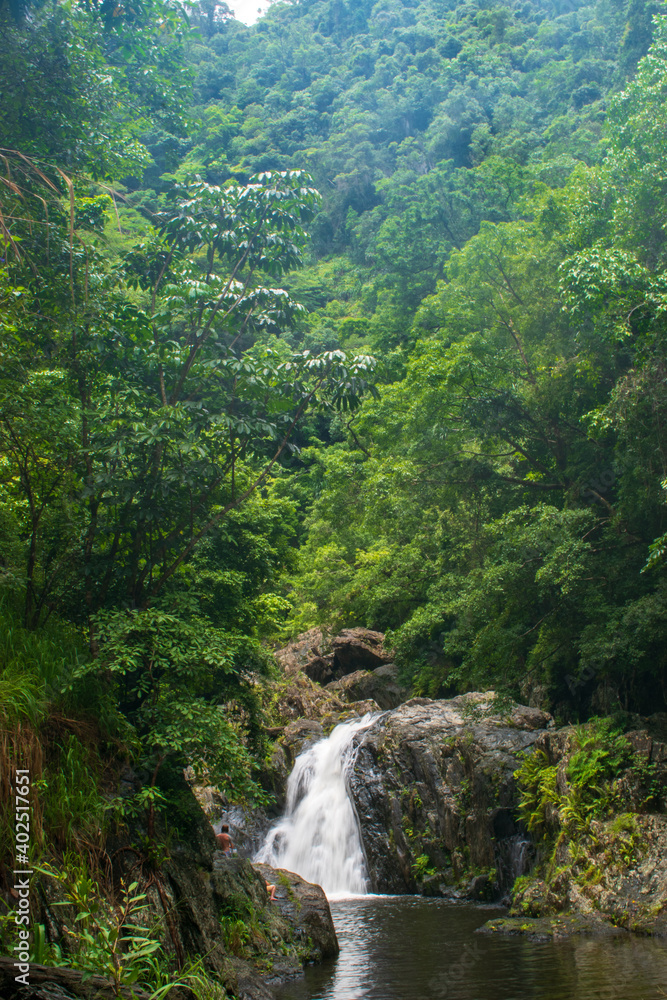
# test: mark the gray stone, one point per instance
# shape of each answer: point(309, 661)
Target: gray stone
point(433, 787)
point(381, 685)
point(305, 908)
point(324, 658)
point(299, 735)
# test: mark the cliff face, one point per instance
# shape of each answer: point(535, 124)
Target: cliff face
point(436, 790)
point(433, 786)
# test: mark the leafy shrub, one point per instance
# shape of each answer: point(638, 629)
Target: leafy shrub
point(601, 755)
point(103, 937)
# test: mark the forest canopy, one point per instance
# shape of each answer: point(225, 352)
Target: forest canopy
point(352, 317)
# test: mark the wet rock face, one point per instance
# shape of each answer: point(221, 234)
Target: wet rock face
point(247, 827)
point(324, 659)
point(433, 786)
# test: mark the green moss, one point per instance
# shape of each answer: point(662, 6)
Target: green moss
point(291, 895)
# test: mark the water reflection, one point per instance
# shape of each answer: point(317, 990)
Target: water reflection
point(409, 948)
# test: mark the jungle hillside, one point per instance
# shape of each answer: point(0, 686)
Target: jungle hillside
point(352, 317)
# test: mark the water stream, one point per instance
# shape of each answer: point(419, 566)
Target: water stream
point(411, 948)
point(318, 838)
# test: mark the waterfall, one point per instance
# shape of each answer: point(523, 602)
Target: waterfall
point(513, 858)
point(318, 837)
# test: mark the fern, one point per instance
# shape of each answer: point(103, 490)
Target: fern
point(537, 780)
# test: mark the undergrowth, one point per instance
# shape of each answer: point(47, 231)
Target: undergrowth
point(603, 780)
point(63, 728)
point(593, 785)
point(113, 936)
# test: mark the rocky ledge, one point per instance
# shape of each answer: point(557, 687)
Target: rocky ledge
point(332, 678)
point(470, 798)
point(325, 658)
point(325, 680)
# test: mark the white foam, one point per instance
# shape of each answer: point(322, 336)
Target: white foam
point(318, 837)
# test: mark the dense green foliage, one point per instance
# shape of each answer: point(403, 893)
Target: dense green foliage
point(501, 508)
point(591, 785)
point(352, 317)
point(491, 228)
point(417, 120)
point(146, 409)
point(190, 450)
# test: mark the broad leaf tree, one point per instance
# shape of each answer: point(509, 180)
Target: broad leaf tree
point(145, 423)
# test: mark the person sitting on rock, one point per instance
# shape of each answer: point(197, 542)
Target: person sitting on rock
point(224, 841)
point(270, 888)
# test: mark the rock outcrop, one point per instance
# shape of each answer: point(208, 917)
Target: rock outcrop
point(329, 679)
point(381, 686)
point(299, 735)
point(607, 866)
point(433, 786)
point(305, 908)
point(326, 658)
point(436, 795)
point(298, 699)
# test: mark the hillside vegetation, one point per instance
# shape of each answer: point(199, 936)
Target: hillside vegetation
point(352, 317)
point(491, 229)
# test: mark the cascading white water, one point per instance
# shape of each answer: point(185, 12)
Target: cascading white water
point(318, 837)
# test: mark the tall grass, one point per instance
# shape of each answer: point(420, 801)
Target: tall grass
point(49, 655)
point(54, 718)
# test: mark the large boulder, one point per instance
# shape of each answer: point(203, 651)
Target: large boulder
point(305, 908)
point(358, 649)
point(433, 787)
point(299, 736)
point(380, 685)
point(325, 658)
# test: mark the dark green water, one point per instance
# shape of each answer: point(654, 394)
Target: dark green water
point(410, 948)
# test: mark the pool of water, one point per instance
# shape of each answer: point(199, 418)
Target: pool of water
point(411, 948)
